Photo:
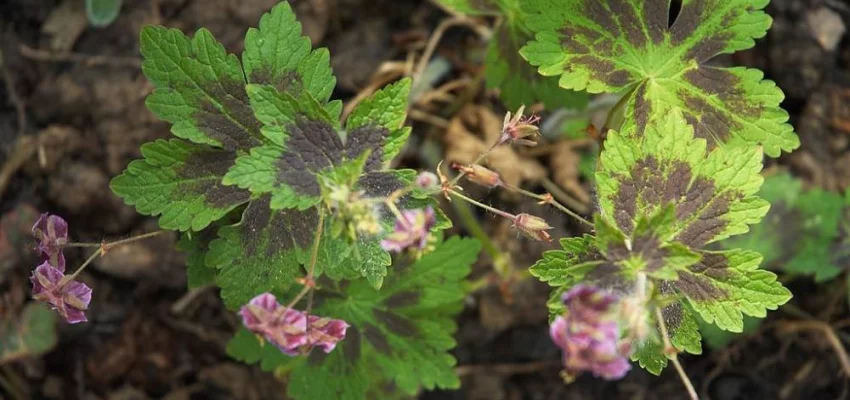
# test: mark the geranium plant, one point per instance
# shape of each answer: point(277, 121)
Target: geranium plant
point(336, 263)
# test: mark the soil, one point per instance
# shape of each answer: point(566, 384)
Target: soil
point(72, 115)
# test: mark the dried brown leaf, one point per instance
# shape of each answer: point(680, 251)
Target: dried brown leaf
point(472, 131)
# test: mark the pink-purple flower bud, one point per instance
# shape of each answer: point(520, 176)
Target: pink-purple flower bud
point(69, 298)
point(589, 336)
point(480, 175)
point(533, 227)
point(427, 181)
point(411, 230)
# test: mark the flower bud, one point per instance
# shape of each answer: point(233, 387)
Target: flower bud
point(533, 227)
point(480, 175)
point(427, 181)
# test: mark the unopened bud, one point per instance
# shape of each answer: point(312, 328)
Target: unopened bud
point(533, 227)
point(427, 180)
point(480, 175)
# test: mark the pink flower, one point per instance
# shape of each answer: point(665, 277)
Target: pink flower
point(519, 128)
point(412, 230)
point(69, 298)
point(52, 234)
point(284, 327)
point(326, 332)
point(588, 336)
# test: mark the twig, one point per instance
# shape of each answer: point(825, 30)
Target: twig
point(184, 301)
point(831, 337)
point(25, 147)
point(20, 107)
point(674, 357)
point(387, 72)
point(85, 59)
point(434, 120)
point(508, 369)
point(438, 34)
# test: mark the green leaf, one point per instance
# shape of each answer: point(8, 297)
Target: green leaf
point(726, 285)
point(263, 253)
point(568, 266)
point(713, 193)
point(386, 108)
point(626, 46)
point(277, 54)
point(245, 347)
point(196, 245)
point(683, 332)
point(199, 88)
point(305, 145)
point(801, 232)
point(518, 82)
point(180, 182)
point(102, 12)
point(27, 335)
point(278, 110)
point(399, 335)
point(476, 7)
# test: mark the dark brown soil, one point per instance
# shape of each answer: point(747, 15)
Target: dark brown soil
point(76, 121)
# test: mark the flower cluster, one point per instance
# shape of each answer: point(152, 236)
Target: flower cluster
point(49, 282)
point(589, 335)
point(412, 230)
point(292, 331)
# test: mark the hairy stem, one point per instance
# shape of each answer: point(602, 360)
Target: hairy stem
point(103, 248)
point(314, 256)
point(674, 358)
point(484, 206)
point(549, 200)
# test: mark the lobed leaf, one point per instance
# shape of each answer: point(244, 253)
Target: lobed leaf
point(277, 54)
point(199, 88)
point(713, 193)
point(399, 335)
point(802, 232)
point(181, 183)
point(628, 46)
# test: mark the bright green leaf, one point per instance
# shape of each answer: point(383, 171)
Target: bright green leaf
point(627, 46)
point(400, 334)
point(180, 182)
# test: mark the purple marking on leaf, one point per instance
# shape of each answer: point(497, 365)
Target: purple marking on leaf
point(326, 332)
point(284, 327)
point(589, 338)
point(52, 234)
point(69, 298)
point(412, 230)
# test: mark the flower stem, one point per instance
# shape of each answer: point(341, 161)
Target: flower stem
point(674, 357)
point(549, 200)
point(477, 161)
point(484, 206)
point(314, 256)
point(103, 248)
